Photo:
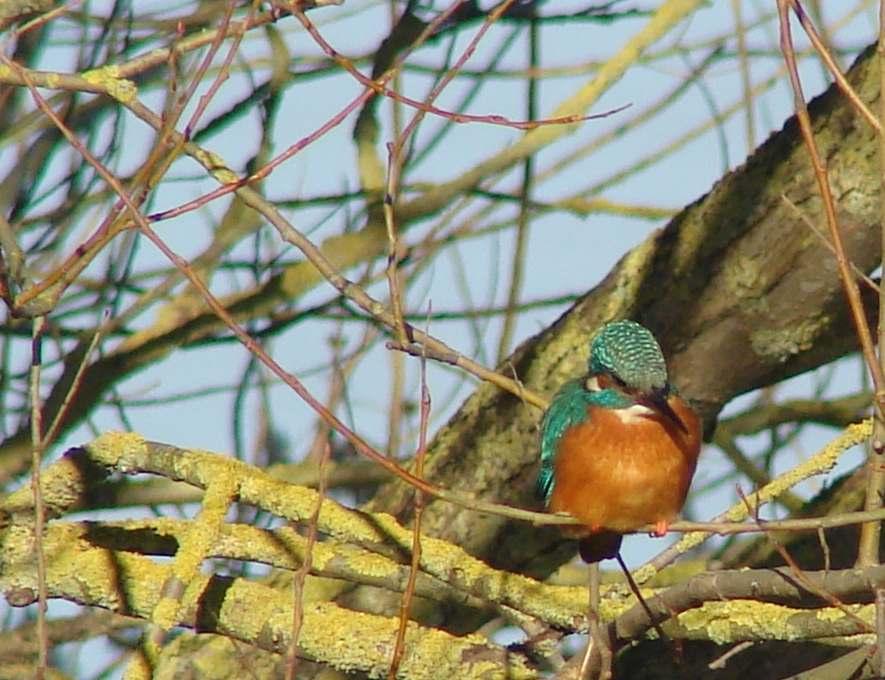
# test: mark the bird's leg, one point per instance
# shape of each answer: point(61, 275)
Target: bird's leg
point(662, 526)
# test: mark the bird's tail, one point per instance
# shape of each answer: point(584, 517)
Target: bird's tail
point(599, 546)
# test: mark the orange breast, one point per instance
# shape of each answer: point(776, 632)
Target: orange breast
point(612, 474)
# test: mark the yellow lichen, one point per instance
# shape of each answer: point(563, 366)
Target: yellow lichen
point(429, 653)
point(743, 279)
point(829, 614)
point(108, 79)
point(202, 533)
point(721, 621)
point(371, 565)
point(110, 447)
point(216, 165)
point(784, 343)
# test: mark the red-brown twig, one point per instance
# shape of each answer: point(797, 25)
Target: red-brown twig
point(37, 448)
point(841, 82)
point(223, 72)
point(300, 576)
point(266, 169)
point(425, 106)
point(377, 310)
point(408, 593)
point(368, 92)
point(868, 549)
point(112, 224)
point(819, 164)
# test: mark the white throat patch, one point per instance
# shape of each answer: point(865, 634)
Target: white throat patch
point(627, 415)
point(633, 413)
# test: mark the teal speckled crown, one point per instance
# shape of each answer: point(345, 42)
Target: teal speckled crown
point(628, 351)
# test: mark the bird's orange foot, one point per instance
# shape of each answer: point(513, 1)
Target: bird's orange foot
point(661, 528)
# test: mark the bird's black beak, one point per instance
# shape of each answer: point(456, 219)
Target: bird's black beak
point(657, 401)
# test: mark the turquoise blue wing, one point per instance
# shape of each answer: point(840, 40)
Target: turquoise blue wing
point(567, 409)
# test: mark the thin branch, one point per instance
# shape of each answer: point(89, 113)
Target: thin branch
point(800, 575)
point(300, 577)
point(819, 164)
point(833, 67)
point(394, 250)
point(598, 645)
point(868, 550)
point(37, 451)
point(350, 289)
point(518, 263)
point(775, 586)
point(67, 402)
point(746, 81)
point(424, 107)
point(406, 602)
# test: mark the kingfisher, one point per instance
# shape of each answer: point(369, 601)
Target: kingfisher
point(618, 446)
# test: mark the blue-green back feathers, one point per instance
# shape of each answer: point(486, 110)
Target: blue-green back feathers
point(567, 409)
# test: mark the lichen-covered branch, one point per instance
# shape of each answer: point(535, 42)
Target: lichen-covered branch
point(373, 549)
point(130, 584)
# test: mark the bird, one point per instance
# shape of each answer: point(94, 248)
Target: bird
point(619, 446)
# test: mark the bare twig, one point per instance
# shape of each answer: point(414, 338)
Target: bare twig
point(862, 275)
point(720, 662)
point(598, 644)
point(347, 287)
point(300, 577)
point(746, 81)
point(819, 164)
point(37, 450)
point(634, 588)
point(821, 461)
point(408, 593)
point(523, 221)
point(426, 106)
point(799, 573)
point(394, 252)
point(833, 67)
point(869, 541)
point(57, 421)
point(868, 550)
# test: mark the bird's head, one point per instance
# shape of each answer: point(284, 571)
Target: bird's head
point(625, 357)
